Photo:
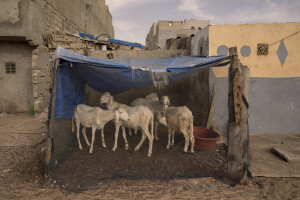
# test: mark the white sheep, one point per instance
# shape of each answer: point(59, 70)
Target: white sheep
point(180, 119)
point(144, 101)
point(157, 107)
point(139, 118)
point(95, 118)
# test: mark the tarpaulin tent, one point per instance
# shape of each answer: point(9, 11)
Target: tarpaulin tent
point(118, 75)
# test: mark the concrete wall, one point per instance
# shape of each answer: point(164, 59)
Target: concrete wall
point(200, 42)
point(20, 22)
point(178, 29)
point(274, 105)
point(150, 39)
point(34, 22)
point(16, 89)
point(197, 24)
point(163, 35)
point(41, 77)
point(94, 19)
point(260, 66)
point(32, 19)
point(274, 88)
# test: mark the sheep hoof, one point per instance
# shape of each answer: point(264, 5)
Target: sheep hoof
point(156, 138)
point(91, 151)
point(136, 149)
point(114, 149)
point(80, 147)
point(149, 154)
point(184, 152)
point(88, 144)
point(191, 152)
point(168, 146)
point(103, 145)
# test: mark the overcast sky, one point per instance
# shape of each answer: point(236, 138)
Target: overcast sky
point(132, 19)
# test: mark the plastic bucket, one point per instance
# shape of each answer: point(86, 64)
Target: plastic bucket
point(205, 139)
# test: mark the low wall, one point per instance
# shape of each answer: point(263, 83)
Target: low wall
point(273, 104)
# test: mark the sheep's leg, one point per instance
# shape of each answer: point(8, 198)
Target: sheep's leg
point(141, 142)
point(116, 137)
point(173, 133)
point(84, 135)
point(124, 136)
point(192, 140)
point(169, 138)
point(93, 139)
point(155, 129)
point(102, 137)
point(150, 138)
point(135, 131)
point(186, 137)
point(77, 133)
point(129, 132)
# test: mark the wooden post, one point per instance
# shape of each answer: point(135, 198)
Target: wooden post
point(51, 112)
point(237, 138)
point(212, 105)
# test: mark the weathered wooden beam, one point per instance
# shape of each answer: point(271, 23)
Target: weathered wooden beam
point(237, 138)
point(245, 73)
point(237, 97)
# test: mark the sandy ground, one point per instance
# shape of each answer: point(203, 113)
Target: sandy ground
point(21, 175)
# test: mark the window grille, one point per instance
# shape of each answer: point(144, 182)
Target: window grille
point(10, 67)
point(262, 49)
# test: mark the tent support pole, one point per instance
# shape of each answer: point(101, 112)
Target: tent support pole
point(238, 135)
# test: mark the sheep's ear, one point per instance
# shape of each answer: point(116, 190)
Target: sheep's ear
point(111, 100)
point(117, 118)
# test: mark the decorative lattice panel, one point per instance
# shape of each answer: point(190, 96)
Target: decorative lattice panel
point(262, 49)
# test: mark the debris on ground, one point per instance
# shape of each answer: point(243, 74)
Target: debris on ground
point(287, 153)
point(4, 114)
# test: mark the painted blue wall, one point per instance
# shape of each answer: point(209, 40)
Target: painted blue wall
point(274, 104)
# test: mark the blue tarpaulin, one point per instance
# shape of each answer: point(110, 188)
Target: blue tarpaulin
point(117, 75)
point(94, 37)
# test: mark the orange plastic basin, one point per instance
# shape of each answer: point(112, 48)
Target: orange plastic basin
point(205, 139)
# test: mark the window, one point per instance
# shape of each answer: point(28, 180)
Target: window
point(10, 67)
point(193, 28)
point(170, 23)
point(199, 28)
point(262, 49)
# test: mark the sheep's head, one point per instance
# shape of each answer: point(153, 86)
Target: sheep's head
point(121, 114)
point(106, 98)
point(165, 101)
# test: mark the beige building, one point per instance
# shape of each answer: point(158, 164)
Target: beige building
point(162, 30)
point(271, 51)
point(25, 26)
